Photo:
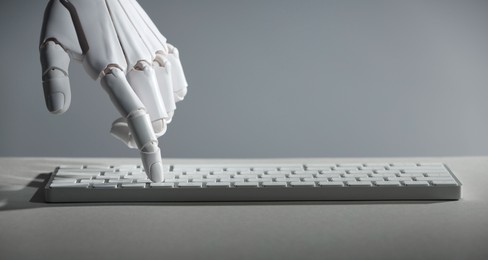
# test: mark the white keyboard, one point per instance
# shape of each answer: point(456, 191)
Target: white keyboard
point(256, 182)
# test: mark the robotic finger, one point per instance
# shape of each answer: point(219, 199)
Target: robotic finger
point(179, 80)
point(139, 123)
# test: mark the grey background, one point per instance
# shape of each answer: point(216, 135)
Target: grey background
point(277, 79)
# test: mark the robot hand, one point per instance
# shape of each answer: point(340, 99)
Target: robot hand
point(116, 42)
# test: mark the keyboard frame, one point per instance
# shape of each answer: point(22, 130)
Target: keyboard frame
point(253, 194)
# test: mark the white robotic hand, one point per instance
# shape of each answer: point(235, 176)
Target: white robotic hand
point(117, 43)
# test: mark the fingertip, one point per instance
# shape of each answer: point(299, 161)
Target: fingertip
point(156, 172)
point(55, 103)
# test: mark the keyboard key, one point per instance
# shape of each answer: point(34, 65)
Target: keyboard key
point(438, 174)
point(331, 184)
point(399, 178)
point(189, 185)
point(388, 183)
point(161, 185)
point(316, 179)
point(343, 179)
point(69, 185)
point(277, 172)
point(218, 184)
point(445, 183)
point(436, 178)
point(133, 185)
point(104, 185)
point(302, 184)
point(354, 165)
point(64, 180)
point(273, 184)
point(143, 180)
point(359, 183)
point(371, 179)
point(92, 181)
point(120, 181)
point(416, 183)
point(246, 184)
point(411, 175)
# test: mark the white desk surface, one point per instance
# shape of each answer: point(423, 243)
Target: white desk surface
point(32, 229)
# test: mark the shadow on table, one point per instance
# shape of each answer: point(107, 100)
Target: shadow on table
point(32, 196)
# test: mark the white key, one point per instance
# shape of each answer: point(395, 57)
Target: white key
point(372, 179)
point(305, 172)
point(399, 178)
point(360, 183)
point(416, 183)
point(439, 165)
point(133, 185)
point(301, 175)
point(437, 178)
point(97, 167)
point(421, 170)
point(92, 181)
point(325, 169)
point(218, 184)
point(79, 171)
point(343, 179)
point(329, 175)
point(284, 179)
point(105, 185)
point(302, 184)
point(265, 168)
point(189, 185)
point(245, 172)
point(143, 180)
point(64, 180)
point(371, 168)
point(344, 168)
point(356, 175)
point(128, 166)
point(445, 183)
point(273, 184)
point(356, 165)
point(317, 179)
point(161, 185)
point(238, 168)
point(69, 185)
point(331, 184)
point(174, 180)
point(399, 164)
point(291, 168)
point(108, 177)
point(411, 175)
point(365, 172)
point(388, 183)
point(66, 166)
point(74, 176)
point(254, 179)
point(120, 181)
point(226, 179)
point(439, 174)
point(387, 172)
point(246, 184)
point(136, 176)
